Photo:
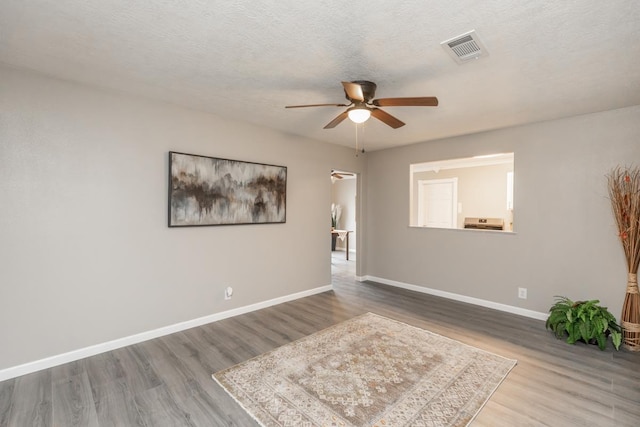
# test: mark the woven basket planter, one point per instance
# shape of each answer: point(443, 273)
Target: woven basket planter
point(630, 318)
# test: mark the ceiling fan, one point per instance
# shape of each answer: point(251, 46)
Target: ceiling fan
point(340, 175)
point(360, 94)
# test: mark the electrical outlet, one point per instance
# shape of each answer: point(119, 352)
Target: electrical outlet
point(522, 293)
point(228, 292)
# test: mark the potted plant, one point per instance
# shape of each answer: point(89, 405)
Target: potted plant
point(336, 211)
point(583, 321)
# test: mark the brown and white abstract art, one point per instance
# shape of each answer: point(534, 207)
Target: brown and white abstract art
point(211, 191)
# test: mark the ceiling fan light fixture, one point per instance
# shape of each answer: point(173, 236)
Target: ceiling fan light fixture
point(359, 115)
point(362, 105)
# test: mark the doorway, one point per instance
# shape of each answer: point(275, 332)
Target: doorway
point(344, 202)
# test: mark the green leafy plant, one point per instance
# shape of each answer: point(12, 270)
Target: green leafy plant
point(583, 321)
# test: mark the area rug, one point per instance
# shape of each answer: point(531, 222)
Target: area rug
point(367, 371)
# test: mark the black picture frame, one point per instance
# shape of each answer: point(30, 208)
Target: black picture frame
point(206, 191)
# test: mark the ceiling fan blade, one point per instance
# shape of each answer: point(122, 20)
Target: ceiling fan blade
point(335, 122)
point(386, 118)
point(316, 105)
point(336, 175)
point(422, 101)
point(353, 90)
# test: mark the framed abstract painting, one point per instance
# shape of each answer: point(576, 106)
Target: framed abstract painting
point(212, 191)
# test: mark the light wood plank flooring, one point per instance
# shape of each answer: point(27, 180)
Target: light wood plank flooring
point(167, 381)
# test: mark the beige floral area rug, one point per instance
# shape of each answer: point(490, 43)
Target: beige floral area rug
point(367, 371)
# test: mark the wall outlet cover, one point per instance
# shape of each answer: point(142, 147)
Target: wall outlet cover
point(522, 293)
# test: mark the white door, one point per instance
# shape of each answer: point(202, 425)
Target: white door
point(437, 203)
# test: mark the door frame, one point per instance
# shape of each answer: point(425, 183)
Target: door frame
point(359, 229)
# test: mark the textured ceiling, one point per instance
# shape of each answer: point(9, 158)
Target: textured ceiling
point(248, 59)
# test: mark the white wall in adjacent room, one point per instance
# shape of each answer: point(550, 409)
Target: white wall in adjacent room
point(482, 191)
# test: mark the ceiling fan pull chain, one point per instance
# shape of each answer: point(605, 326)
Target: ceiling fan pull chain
point(359, 138)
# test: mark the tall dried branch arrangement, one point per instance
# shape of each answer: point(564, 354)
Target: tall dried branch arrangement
point(624, 191)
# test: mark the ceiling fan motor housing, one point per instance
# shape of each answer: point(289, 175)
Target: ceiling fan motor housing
point(368, 90)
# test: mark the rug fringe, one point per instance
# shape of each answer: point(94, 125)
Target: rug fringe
point(237, 401)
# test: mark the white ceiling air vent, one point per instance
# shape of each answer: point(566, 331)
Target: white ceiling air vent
point(465, 47)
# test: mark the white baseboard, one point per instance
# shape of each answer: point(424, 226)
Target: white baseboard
point(81, 353)
point(457, 297)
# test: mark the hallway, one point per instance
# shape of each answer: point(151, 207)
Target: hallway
point(341, 269)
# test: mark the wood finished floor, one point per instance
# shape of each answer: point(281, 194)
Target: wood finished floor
point(167, 381)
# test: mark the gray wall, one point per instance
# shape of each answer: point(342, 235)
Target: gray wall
point(86, 256)
point(85, 252)
point(565, 239)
